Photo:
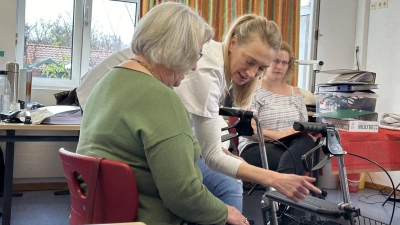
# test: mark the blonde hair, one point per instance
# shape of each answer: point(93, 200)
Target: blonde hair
point(248, 28)
point(289, 73)
point(170, 34)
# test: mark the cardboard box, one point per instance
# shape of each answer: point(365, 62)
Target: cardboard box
point(353, 125)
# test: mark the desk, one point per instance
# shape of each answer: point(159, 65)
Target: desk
point(381, 147)
point(10, 138)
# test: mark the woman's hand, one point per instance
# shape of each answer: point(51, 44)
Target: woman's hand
point(287, 132)
point(235, 217)
point(295, 187)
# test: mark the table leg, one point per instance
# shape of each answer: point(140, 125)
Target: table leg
point(10, 138)
point(8, 180)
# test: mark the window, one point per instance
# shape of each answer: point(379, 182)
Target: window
point(64, 39)
point(305, 43)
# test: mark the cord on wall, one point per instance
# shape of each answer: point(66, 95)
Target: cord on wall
point(357, 51)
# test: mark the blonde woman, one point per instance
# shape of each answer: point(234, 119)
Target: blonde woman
point(247, 51)
point(278, 105)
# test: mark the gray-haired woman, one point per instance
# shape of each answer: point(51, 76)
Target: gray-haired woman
point(132, 115)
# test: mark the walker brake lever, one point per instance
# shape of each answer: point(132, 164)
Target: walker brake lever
point(226, 137)
point(304, 157)
point(232, 126)
point(252, 189)
point(322, 163)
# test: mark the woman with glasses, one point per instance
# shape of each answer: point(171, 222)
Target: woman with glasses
point(278, 105)
point(133, 115)
point(247, 51)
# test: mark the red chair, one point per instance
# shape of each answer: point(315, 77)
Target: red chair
point(112, 193)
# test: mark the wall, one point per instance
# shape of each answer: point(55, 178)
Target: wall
point(337, 35)
point(362, 28)
point(383, 57)
point(377, 34)
point(8, 18)
point(39, 161)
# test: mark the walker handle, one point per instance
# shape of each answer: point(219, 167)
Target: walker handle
point(310, 127)
point(235, 112)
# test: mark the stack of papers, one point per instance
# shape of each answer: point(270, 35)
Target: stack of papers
point(348, 81)
point(45, 112)
point(390, 121)
point(345, 87)
point(351, 76)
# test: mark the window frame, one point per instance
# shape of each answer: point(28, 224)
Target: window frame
point(303, 82)
point(82, 12)
point(313, 11)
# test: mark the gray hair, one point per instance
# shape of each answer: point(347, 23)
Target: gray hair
point(170, 34)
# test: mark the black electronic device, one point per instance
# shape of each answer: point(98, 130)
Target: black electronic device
point(11, 117)
point(34, 105)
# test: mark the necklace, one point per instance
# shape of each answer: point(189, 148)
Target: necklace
point(147, 67)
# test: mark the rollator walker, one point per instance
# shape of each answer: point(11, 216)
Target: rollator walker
point(316, 207)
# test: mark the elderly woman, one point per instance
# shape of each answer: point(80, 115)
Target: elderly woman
point(133, 115)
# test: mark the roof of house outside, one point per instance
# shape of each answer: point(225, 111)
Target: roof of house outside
point(35, 52)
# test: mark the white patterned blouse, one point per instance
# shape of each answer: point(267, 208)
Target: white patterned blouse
point(276, 111)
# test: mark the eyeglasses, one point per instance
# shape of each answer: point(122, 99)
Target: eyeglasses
point(277, 61)
point(200, 55)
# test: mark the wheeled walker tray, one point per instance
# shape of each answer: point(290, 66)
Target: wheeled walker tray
point(309, 204)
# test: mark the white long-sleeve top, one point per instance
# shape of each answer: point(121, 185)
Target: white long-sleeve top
point(94, 75)
point(200, 92)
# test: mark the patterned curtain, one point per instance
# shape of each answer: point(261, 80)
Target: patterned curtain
point(286, 13)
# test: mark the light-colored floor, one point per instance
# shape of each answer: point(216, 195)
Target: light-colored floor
point(40, 208)
point(45, 208)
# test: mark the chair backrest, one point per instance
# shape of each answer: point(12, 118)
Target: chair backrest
point(111, 198)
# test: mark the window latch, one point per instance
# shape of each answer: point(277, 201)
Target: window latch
point(86, 16)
